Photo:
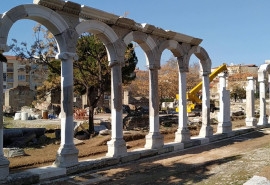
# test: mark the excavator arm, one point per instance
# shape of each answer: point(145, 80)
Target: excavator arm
point(192, 94)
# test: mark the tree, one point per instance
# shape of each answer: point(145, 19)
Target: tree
point(193, 76)
point(41, 52)
point(92, 74)
point(139, 86)
point(238, 93)
point(168, 80)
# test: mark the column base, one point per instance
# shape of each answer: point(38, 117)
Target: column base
point(67, 156)
point(4, 168)
point(182, 135)
point(224, 127)
point(262, 120)
point(116, 148)
point(250, 122)
point(206, 131)
point(154, 140)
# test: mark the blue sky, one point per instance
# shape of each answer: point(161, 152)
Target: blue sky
point(233, 31)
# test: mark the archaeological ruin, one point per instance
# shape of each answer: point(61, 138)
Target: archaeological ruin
point(67, 21)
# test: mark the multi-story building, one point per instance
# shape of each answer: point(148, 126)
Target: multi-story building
point(17, 72)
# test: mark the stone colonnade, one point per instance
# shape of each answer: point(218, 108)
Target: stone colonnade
point(263, 74)
point(67, 21)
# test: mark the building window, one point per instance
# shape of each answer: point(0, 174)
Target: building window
point(21, 77)
point(4, 77)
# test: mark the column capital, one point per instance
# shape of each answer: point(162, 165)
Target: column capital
point(261, 80)
point(221, 75)
point(183, 64)
point(67, 55)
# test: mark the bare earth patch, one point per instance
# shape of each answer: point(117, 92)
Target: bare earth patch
point(232, 161)
point(90, 149)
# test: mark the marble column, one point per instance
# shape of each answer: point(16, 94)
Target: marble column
point(206, 129)
point(117, 145)
point(224, 119)
point(67, 154)
point(154, 139)
point(4, 163)
point(250, 103)
point(182, 134)
point(269, 97)
point(262, 119)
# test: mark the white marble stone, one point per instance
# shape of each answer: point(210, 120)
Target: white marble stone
point(224, 119)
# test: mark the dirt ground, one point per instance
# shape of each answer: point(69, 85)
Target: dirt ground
point(232, 161)
point(92, 148)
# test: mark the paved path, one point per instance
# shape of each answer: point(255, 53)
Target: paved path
point(232, 161)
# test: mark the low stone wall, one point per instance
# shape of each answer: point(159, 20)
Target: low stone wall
point(39, 175)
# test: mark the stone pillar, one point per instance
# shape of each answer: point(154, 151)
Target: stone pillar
point(117, 145)
point(224, 119)
point(154, 139)
point(262, 119)
point(183, 133)
point(4, 163)
point(268, 107)
point(250, 103)
point(67, 154)
point(206, 129)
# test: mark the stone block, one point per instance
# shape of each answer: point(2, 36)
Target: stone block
point(230, 134)
point(13, 152)
point(188, 144)
point(217, 137)
point(48, 172)
point(130, 157)
point(202, 140)
point(165, 149)
point(146, 152)
point(176, 146)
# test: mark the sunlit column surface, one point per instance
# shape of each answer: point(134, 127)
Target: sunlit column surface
point(117, 145)
point(154, 139)
point(206, 129)
point(262, 119)
point(67, 154)
point(183, 133)
point(224, 118)
point(250, 103)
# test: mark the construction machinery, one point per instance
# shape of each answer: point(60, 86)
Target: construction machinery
point(194, 103)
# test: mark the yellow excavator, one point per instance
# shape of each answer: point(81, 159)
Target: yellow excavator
point(194, 103)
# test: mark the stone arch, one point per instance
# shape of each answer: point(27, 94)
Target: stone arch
point(177, 51)
point(106, 34)
point(173, 46)
point(201, 54)
point(147, 43)
point(263, 69)
point(47, 17)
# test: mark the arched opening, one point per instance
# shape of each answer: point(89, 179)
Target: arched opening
point(26, 71)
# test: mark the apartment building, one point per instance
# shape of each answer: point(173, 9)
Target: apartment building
point(18, 72)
